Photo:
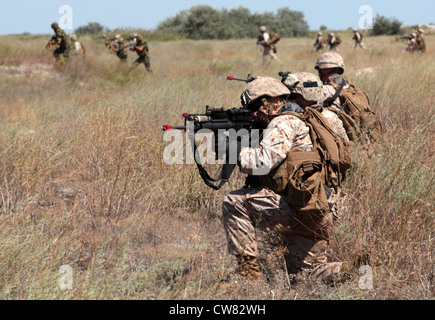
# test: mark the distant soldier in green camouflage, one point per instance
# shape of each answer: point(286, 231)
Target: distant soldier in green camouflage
point(62, 41)
point(117, 46)
point(142, 50)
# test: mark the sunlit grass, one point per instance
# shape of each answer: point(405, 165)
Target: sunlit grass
point(83, 182)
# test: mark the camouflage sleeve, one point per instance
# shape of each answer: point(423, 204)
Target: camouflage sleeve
point(328, 92)
point(335, 124)
point(281, 135)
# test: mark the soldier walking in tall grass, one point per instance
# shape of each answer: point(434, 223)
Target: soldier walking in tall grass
point(60, 39)
point(141, 48)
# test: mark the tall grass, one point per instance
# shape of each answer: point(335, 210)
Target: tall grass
point(83, 182)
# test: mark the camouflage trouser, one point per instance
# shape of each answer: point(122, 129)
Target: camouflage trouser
point(145, 60)
point(359, 44)
point(268, 51)
point(247, 209)
point(65, 51)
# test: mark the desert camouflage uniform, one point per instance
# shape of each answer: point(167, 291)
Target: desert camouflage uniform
point(358, 39)
point(420, 41)
point(412, 43)
point(247, 209)
point(268, 50)
point(332, 42)
point(77, 46)
point(320, 42)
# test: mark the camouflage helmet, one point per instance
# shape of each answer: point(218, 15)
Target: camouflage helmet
point(330, 60)
point(73, 37)
point(261, 87)
point(263, 29)
point(54, 25)
point(308, 86)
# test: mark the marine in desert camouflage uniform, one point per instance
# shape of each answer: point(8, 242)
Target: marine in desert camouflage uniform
point(269, 50)
point(327, 65)
point(77, 46)
point(420, 41)
point(333, 42)
point(412, 43)
point(320, 43)
point(259, 205)
point(357, 37)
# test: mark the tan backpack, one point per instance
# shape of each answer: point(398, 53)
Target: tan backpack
point(360, 122)
point(274, 38)
point(311, 175)
point(308, 176)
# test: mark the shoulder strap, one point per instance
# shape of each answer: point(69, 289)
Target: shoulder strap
point(223, 177)
point(338, 81)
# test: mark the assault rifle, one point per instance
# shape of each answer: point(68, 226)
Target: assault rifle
point(219, 121)
point(133, 41)
point(51, 42)
point(405, 38)
point(248, 79)
point(109, 43)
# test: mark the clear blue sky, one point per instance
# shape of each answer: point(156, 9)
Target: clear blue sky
point(36, 16)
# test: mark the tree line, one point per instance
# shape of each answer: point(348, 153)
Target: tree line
point(204, 22)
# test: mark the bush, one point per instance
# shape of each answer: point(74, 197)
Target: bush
point(204, 22)
point(90, 28)
point(386, 26)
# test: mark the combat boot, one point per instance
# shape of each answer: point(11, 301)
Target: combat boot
point(249, 267)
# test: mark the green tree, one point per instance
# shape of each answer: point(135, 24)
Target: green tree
point(291, 23)
point(204, 22)
point(90, 28)
point(386, 26)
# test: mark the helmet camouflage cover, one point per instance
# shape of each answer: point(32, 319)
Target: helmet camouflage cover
point(330, 60)
point(261, 87)
point(308, 85)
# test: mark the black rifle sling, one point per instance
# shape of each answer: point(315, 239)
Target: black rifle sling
point(225, 174)
point(331, 100)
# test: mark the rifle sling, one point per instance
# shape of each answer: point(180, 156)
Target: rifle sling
point(331, 100)
point(225, 174)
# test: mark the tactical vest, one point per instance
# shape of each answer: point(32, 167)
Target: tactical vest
point(305, 174)
point(360, 122)
point(274, 38)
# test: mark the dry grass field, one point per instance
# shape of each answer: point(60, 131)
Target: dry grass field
point(83, 183)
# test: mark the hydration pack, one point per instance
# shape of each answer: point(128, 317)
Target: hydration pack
point(357, 116)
